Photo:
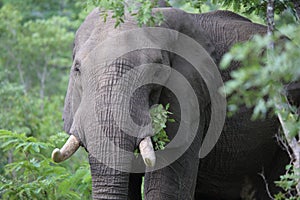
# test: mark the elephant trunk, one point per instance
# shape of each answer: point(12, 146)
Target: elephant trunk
point(110, 163)
point(108, 183)
point(122, 112)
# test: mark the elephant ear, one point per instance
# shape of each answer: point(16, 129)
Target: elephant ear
point(185, 24)
point(195, 61)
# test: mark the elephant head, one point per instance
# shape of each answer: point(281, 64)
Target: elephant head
point(109, 96)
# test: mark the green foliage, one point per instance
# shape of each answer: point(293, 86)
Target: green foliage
point(261, 84)
point(33, 68)
point(43, 9)
point(31, 174)
point(141, 9)
point(160, 116)
point(34, 50)
point(36, 43)
point(22, 113)
point(117, 7)
point(144, 13)
point(259, 7)
point(288, 182)
point(142, 188)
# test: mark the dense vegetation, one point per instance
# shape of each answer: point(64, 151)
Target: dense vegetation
point(36, 52)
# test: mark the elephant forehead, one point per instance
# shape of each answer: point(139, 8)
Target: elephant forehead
point(94, 31)
point(122, 64)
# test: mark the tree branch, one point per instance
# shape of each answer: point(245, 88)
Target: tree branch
point(262, 174)
point(295, 146)
point(21, 75)
point(293, 143)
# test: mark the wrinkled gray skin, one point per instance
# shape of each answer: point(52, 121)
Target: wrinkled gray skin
point(90, 98)
point(243, 149)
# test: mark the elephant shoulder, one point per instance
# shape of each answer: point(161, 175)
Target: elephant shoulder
point(226, 15)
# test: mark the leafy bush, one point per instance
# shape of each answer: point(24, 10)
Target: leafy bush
point(261, 83)
point(37, 46)
point(31, 174)
point(288, 183)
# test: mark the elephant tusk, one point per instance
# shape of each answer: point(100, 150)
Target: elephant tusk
point(147, 152)
point(69, 148)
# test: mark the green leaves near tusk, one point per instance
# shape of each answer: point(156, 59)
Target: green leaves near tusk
point(160, 116)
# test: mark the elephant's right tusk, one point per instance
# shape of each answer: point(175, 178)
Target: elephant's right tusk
point(147, 152)
point(69, 148)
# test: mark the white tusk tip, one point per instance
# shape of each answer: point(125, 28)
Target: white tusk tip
point(56, 155)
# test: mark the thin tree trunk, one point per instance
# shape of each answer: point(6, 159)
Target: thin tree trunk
point(42, 77)
point(21, 75)
point(293, 143)
point(19, 67)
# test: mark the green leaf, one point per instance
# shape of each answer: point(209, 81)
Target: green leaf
point(136, 152)
point(160, 116)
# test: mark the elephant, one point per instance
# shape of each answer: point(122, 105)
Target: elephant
point(97, 88)
point(223, 174)
point(89, 115)
point(245, 147)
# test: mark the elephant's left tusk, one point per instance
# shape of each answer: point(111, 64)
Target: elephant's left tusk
point(69, 148)
point(147, 152)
